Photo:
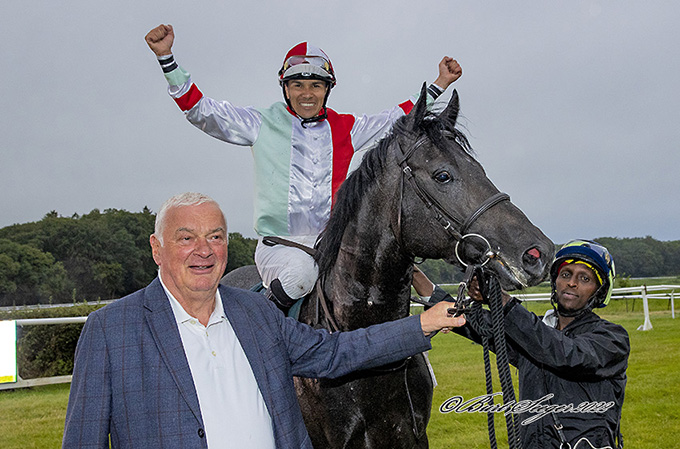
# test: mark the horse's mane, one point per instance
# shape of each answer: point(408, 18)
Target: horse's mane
point(349, 196)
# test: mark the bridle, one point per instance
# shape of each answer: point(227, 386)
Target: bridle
point(454, 226)
point(457, 228)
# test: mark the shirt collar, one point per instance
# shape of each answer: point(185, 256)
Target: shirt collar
point(182, 316)
point(550, 318)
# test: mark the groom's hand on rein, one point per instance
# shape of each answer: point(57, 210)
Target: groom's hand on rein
point(438, 318)
point(475, 293)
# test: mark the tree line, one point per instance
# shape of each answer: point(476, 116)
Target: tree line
point(106, 255)
point(97, 256)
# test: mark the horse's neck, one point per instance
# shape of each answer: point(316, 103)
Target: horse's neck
point(370, 282)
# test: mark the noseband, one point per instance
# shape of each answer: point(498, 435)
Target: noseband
point(454, 226)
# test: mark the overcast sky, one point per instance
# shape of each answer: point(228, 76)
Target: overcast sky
point(572, 107)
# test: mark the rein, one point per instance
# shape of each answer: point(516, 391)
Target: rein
point(456, 228)
point(331, 325)
point(273, 241)
point(493, 291)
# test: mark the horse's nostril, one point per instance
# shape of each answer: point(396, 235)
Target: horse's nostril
point(532, 256)
point(535, 253)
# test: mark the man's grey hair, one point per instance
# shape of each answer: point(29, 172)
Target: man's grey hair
point(182, 199)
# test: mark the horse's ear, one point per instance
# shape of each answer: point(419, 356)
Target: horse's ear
point(420, 109)
point(450, 114)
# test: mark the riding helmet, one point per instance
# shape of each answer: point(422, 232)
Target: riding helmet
point(306, 61)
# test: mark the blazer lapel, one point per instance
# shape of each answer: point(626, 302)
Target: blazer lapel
point(163, 326)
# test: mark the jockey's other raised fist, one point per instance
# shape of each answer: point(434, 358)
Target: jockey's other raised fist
point(449, 71)
point(160, 39)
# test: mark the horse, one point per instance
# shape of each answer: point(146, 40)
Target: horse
point(420, 193)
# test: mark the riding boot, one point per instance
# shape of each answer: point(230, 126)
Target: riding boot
point(278, 295)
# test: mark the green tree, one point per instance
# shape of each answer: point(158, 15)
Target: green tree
point(30, 275)
point(9, 268)
point(440, 272)
point(644, 257)
point(241, 251)
point(110, 276)
point(105, 254)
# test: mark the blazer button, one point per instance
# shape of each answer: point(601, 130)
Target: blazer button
point(201, 433)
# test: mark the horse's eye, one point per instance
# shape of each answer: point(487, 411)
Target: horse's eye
point(442, 176)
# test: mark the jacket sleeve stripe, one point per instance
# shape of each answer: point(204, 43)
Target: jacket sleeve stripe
point(406, 106)
point(189, 99)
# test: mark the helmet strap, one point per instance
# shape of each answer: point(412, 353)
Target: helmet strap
point(317, 118)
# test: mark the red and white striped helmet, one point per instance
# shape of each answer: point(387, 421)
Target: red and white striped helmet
point(305, 61)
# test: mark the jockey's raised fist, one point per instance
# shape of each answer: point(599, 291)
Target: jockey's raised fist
point(160, 39)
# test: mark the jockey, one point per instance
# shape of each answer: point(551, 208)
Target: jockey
point(301, 149)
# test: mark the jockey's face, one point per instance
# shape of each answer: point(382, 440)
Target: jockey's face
point(574, 286)
point(306, 96)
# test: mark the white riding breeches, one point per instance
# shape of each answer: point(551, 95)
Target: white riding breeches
point(294, 268)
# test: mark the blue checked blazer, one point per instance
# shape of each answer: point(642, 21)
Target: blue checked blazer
point(132, 382)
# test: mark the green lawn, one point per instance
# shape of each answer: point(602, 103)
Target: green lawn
point(650, 414)
point(33, 418)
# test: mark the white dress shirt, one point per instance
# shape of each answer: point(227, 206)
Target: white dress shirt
point(233, 410)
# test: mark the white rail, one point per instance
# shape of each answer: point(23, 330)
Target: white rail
point(23, 383)
point(618, 293)
point(53, 306)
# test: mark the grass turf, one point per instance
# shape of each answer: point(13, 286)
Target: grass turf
point(650, 415)
point(34, 417)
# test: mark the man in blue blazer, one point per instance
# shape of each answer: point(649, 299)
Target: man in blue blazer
point(185, 364)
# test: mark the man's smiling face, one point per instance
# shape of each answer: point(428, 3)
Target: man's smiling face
point(306, 96)
point(193, 256)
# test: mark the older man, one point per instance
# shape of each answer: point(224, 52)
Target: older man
point(185, 364)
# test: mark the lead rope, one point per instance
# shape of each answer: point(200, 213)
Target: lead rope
point(502, 362)
point(497, 332)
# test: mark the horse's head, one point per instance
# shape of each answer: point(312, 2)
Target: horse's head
point(448, 208)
